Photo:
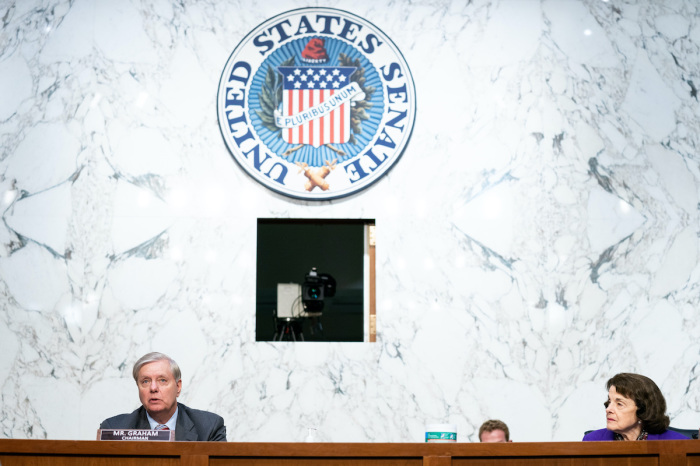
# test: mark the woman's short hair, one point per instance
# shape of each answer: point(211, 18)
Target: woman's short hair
point(651, 404)
point(153, 357)
point(494, 424)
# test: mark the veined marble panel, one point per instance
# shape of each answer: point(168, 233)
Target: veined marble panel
point(539, 234)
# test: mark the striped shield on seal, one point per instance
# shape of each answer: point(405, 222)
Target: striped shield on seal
point(316, 104)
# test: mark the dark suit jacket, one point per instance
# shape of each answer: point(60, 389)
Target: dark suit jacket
point(191, 424)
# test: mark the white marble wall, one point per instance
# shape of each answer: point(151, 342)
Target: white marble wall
point(539, 234)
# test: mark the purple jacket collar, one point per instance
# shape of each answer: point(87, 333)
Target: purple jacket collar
point(603, 435)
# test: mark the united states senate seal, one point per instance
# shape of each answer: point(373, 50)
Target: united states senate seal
point(316, 103)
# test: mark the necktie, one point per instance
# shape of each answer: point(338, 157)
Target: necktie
point(162, 427)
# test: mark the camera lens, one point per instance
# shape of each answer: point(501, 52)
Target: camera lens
point(314, 292)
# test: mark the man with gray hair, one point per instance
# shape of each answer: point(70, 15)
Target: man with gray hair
point(159, 382)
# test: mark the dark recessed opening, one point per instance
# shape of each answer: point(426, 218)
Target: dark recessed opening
point(287, 251)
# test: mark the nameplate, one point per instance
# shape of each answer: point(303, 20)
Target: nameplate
point(136, 434)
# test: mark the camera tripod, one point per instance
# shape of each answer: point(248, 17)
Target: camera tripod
point(288, 329)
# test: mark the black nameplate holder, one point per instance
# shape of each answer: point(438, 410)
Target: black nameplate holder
point(136, 435)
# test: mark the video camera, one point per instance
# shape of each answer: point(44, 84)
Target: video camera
point(315, 289)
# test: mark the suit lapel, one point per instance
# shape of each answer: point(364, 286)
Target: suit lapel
point(142, 421)
point(184, 427)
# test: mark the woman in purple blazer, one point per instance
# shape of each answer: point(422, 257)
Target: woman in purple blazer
point(635, 410)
